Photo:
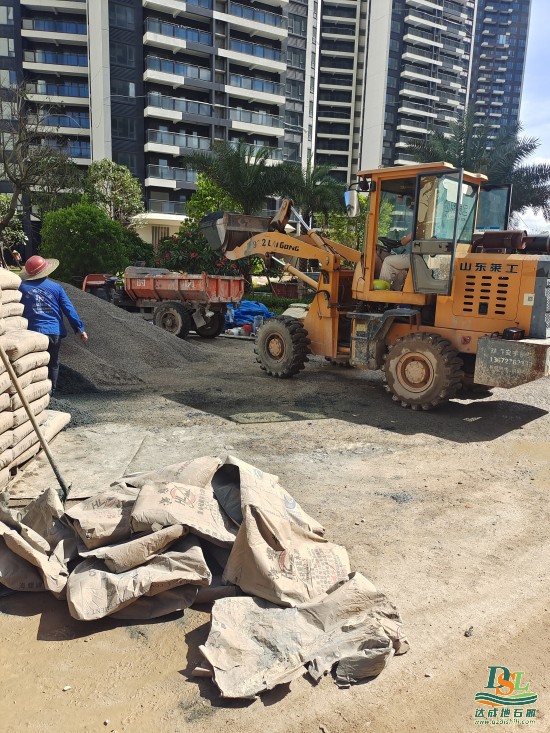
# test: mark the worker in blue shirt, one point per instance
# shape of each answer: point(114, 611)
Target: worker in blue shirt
point(45, 303)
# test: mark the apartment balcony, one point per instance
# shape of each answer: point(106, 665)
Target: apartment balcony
point(163, 176)
point(254, 55)
point(253, 88)
point(412, 126)
point(67, 93)
point(423, 57)
point(175, 37)
point(424, 20)
point(414, 72)
point(411, 108)
point(174, 208)
point(174, 109)
point(418, 37)
point(57, 6)
point(55, 31)
point(174, 143)
point(56, 62)
point(256, 122)
point(275, 154)
point(78, 150)
point(254, 21)
point(415, 91)
point(175, 73)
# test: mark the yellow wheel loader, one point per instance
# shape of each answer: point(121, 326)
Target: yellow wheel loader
point(466, 303)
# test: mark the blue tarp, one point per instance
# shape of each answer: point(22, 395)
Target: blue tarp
point(245, 313)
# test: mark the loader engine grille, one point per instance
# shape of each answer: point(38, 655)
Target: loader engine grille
point(487, 295)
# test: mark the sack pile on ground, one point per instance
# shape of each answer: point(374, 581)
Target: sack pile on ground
point(209, 530)
point(28, 353)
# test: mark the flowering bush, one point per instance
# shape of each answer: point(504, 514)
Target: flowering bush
point(188, 251)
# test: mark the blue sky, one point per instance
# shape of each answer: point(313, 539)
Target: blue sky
point(535, 107)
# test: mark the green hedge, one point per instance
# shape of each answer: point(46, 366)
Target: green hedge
point(273, 302)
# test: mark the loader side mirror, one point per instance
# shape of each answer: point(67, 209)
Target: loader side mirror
point(351, 199)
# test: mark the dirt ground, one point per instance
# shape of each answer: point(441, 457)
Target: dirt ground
point(446, 512)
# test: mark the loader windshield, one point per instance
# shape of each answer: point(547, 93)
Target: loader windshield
point(445, 206)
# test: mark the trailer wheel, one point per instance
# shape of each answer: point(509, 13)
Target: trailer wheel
point(174, 318)
point(282, 346)
point(213, 327)
point(422, 371)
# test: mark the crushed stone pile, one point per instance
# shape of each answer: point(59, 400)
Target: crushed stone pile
point(210, 530)
point(123, 347)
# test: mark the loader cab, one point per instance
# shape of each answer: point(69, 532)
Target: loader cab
point(436, 204)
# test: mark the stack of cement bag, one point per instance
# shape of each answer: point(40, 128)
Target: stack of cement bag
point(28, 353)
point(285, 600)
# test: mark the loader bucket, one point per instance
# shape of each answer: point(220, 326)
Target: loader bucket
point(224, 230)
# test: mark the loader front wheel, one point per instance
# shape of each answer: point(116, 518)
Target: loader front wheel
point(282, 346)
point(174, 318)
point(422, 371)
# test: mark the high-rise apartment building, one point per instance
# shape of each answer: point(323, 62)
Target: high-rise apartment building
point(146, 82)
point(352, 82)
point(500, 46)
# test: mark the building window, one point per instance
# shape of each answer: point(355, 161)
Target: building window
point(296, 58)
point(122, 88)
point(295, 89)
point(124, 127)
point(6, 15)
point(7, 47)
point(160, 233)
point(7, 78)
point(127, 159)
point(122, 54)
point(297, 25)
point(121, 16)
point(294, 119)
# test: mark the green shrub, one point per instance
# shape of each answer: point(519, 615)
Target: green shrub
point(84, 240)
point(137, 249)
point(188, 251)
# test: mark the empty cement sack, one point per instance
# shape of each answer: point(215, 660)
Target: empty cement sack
point(93, 591)
point(255, 645)
point(163, 502)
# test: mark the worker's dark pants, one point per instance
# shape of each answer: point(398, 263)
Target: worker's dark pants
point(53, 366)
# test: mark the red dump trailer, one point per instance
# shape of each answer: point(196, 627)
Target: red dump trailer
point(179, 303)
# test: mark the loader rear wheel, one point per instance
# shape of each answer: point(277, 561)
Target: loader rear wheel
point(213, 327)
point(174, 318)
point(422, 371)
point(282, 346)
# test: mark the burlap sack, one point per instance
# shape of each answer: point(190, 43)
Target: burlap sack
point(30, 362)
point(20, 415)
point(11, 309)
point(21, 342)
point(36, 375)
point(10, 296)
point(162, 502)
point(104, 519)
point(15, 323)
point(94, 592)
point(9, 280)
point(33, 392)
point(138, 551)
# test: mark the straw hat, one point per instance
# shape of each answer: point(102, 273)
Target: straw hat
point(37, 267)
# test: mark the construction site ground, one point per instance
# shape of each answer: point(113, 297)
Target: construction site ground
point(446, 512)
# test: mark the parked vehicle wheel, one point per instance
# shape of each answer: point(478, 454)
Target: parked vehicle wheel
point(174, 318)
point(422, 370)
point(282, 346)
point(213, 327)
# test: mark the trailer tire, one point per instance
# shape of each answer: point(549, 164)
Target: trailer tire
point(282, 347)
point(422, 371)
point(213, 327)
point(174, 318)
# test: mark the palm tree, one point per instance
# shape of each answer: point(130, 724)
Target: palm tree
point(475, 147)
point(241, 170)
point(313, 190)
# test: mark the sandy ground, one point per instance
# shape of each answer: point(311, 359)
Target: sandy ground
point(455, 532)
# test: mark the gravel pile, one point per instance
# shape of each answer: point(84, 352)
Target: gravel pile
point(123, 348)
point(78, 416)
